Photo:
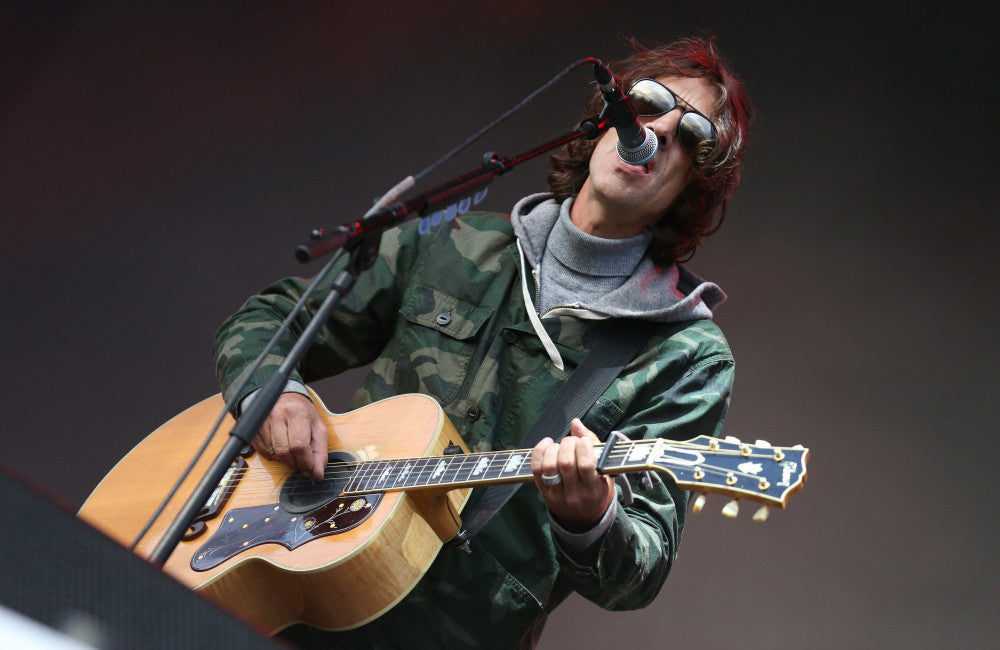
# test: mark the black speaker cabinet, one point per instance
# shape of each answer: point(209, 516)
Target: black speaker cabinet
point(74, 580)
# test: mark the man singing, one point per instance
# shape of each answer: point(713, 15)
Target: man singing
point(490, 315)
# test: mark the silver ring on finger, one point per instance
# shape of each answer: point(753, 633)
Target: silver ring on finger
point(550, 481)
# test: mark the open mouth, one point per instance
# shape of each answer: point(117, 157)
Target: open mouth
point(640, 170)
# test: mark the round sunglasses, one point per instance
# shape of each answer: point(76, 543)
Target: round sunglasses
point(650, 98)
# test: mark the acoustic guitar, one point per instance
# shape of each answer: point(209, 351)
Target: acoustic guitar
point(397, 478)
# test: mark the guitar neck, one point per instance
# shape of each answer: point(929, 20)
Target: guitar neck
point(759, 472)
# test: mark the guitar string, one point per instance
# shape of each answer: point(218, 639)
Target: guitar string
point(254, 485)
point(615, 454)
point(427, 460)
point(249, 479)
point(251, 485)
point(270, 495)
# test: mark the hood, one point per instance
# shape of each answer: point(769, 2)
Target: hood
point(666, 295)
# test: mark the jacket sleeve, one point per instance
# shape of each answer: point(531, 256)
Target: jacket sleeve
point(626, 568)
point(355, 333)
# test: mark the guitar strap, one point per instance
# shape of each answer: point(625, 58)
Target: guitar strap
point(618, 341)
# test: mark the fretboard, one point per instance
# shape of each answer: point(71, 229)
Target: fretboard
point(462, 470)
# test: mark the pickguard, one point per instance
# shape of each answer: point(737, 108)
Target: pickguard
point(245, 528)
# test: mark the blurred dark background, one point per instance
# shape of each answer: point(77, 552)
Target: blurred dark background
point(160, 161)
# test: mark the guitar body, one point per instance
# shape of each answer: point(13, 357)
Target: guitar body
point(266, 552)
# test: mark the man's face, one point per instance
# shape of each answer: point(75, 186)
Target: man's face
point(635, 197)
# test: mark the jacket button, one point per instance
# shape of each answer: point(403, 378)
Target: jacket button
point(443, 318)
point(473, 413)
point(508, 335)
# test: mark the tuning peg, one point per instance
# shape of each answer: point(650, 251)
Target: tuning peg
point(762, 443)
point(731, 509)
point(699, 503)
point(733, 439)
point(761, 514)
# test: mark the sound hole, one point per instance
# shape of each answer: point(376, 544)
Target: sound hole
point(302, 494)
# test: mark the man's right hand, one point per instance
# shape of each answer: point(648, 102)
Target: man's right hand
point(295, 435)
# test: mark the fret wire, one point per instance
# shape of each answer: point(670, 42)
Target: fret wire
point(440, 469)
point(378, 474)
point(453, 464)
point(363, 472)
point(437, 470)
point(352, 483)
point(507, 470)
point(451, 472)
point(412, 477)
point(415, 477)
point(405, 466)
point(498, 463)
point(392, 469)
point(475, 461)
point(364, 478)
point(388, 473)
point(525, 469)
point(484, 464)
point(489, 471)
point(428, 472)
point(421, 472)
point(500, 460)
point(459, 473)
point(427, 475)
point(361, 480)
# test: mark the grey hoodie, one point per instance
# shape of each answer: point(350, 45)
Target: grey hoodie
point(663, 295)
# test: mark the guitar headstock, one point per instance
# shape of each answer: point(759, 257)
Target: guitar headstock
point(756, 472)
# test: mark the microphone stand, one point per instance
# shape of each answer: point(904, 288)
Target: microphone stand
point(441, 196)
point(360, 240)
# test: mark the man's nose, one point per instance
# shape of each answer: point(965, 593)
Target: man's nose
point(665, 126)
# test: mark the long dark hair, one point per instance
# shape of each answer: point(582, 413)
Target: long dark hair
point(700, 209)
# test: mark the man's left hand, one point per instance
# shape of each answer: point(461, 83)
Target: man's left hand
point(581, 496)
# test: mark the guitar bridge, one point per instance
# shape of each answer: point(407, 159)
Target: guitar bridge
point(217, 501)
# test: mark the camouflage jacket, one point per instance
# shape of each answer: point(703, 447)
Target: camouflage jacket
point(443, 314)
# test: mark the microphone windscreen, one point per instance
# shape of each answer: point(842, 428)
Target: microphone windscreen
point(643, 153)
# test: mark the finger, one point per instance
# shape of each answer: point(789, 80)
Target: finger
point(300, 445)
point(545, 468)
point(586, 455)
point(538, 454)
point(320, 450)
point(277, 428)
point(566, 460)
point(262, 441)
point(586, 460)
point(578, 429)
point(550, 460)
point(261, 447)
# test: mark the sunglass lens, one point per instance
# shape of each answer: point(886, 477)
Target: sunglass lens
point(650, 98)
point(694, 130)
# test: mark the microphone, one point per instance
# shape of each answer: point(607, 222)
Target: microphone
point(636, 145)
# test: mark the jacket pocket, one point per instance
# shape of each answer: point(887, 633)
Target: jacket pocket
point(435, 340)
